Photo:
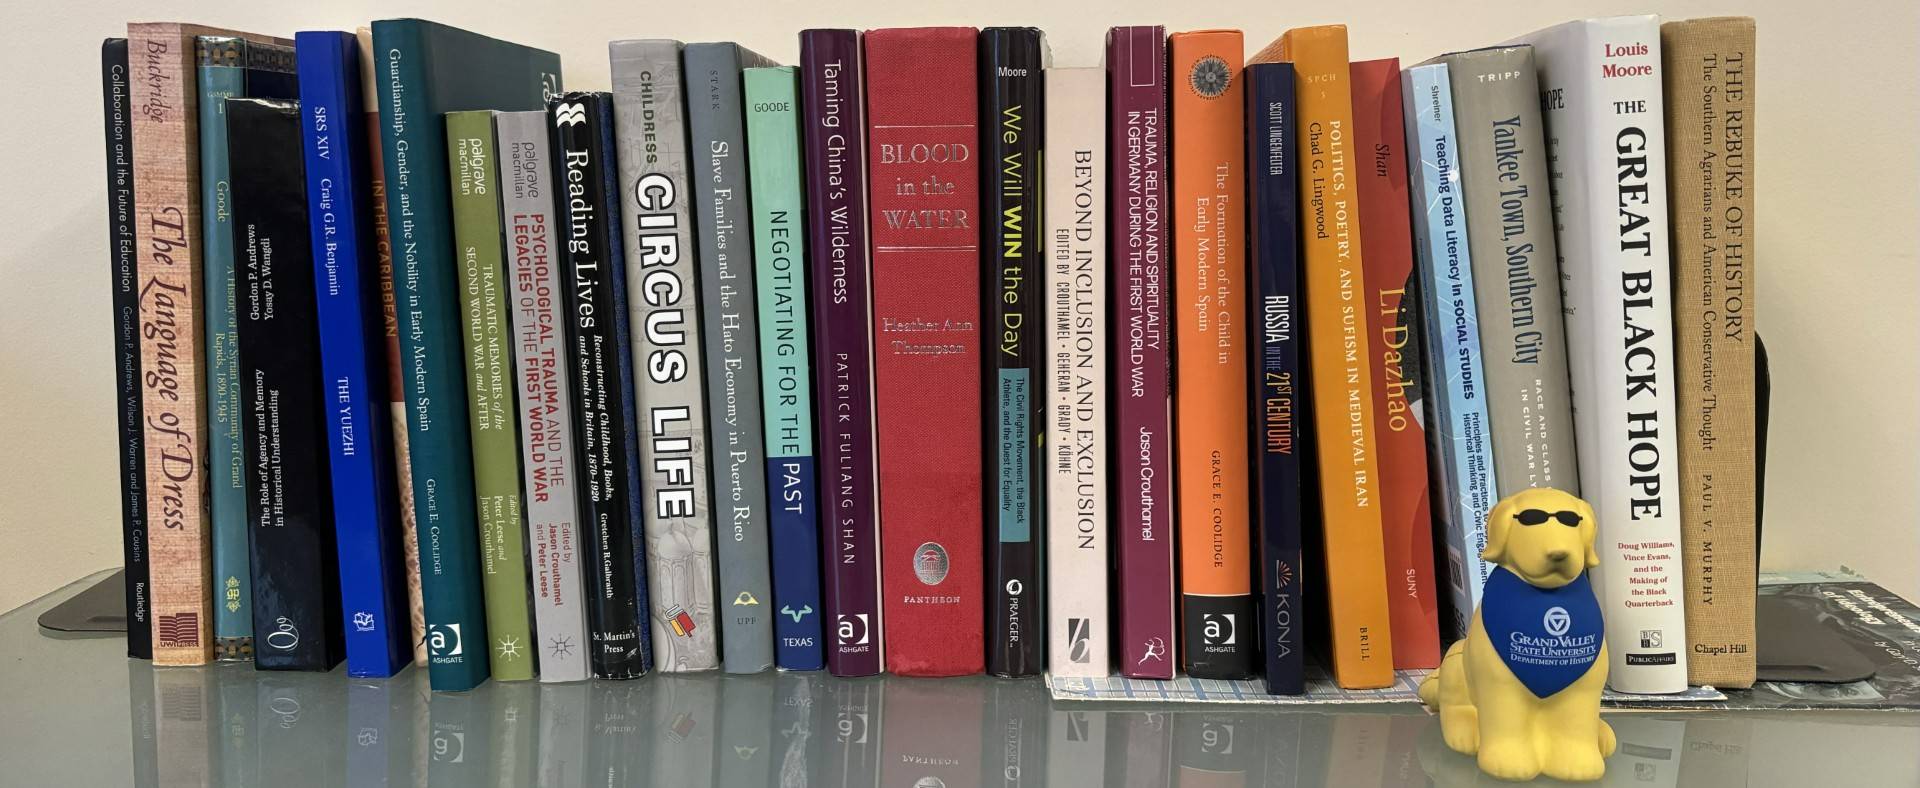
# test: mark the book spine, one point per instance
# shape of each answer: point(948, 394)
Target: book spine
point(352, 361)
point(649, 114)
point(780, 279)
point(1393, 318)
point(117, 106)
point(167, 234)
point(1600, 83)
point(222, 74)
point(1279, 385)
point(473, 179)
point(1339, 355)
point(1143, 426)
point(395, 398)
point(594, 276)
point(717, 140)
point(833, 119)
point(1012, 230)
point(1503, 180)
point(1076, 420)
point(549, 473)
point(922, 123)
point(1457, 433)
point(1210, 417)
point(294, 565)
point(1710, 68)
point(413, 142)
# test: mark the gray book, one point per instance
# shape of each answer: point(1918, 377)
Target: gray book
point(547, 462)
point(723, 215)
point(663, 302)
point(1516, 272)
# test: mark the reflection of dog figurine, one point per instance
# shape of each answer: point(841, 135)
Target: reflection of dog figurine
point(1522, 691)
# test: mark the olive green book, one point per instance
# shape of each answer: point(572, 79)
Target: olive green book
point(473, 179)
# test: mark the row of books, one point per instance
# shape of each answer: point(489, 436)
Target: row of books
point(924, 357)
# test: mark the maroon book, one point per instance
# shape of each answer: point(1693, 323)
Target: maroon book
point(924, 187)
point(1386, 238)
point(834, 124)
point(1142, 421)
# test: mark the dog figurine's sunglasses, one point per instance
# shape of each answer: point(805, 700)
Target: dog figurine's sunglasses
point(1538, 516)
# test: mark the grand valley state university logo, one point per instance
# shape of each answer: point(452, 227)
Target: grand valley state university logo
point(1548, 637)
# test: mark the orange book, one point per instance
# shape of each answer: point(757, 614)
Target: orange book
point(1217, 607)
point(1338, 355)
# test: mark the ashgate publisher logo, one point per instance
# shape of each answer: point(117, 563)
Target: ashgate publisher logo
point(1217, 629)
point(1210, 77)
point(1079, 632)
point(851, 629)
point(569, 114)
point(930, 563)
point(1557, 621)
point(443, 640)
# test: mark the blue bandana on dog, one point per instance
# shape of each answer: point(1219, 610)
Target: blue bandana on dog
point(1548, 637)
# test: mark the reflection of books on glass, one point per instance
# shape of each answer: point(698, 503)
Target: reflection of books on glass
point(1649, 751)
point(681, 728)
point(562, 760)
point(1076, 746)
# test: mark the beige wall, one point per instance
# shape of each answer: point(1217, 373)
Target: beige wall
point(1837, 274)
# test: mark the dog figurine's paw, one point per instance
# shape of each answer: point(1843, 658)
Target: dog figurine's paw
point(1460, 727)
point(1608, 742)
point(1510, 760)
point(1577, 759)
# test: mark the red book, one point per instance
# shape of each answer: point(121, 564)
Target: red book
point(1386, 233)
point(924, 188)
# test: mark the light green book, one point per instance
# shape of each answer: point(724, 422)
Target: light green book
point(474, 179)
point(786, 382)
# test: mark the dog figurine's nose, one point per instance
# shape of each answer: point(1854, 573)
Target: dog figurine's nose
point(1557, 556)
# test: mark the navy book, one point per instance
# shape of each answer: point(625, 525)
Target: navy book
point(1279, 385)
point(295, 571)
point(353, 368)
point(612, 526)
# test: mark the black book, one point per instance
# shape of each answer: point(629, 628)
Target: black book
point(1282, 496)
point(295, 571)
point(593, 271)
point(1014, 401)
point(114, 86)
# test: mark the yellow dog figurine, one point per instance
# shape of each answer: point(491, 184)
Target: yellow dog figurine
point(1522, 691)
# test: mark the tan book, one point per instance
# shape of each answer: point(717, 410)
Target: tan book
point(166, 195)
point(1709, 71)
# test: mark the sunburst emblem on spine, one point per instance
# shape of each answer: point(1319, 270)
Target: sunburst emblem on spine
point(1210, 77)
point(508, 647)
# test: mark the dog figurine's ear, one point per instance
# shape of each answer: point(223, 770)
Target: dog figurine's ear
point(1590, 531)
point(1499, 521)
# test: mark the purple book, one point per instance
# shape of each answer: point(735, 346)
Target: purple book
point(1136, 73)
point(835, 123)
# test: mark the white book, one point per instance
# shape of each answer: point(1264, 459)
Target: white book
point(545, 406)
point(1600, 90)
point(1076, 148)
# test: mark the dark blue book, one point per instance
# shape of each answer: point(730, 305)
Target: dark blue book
point(118, 111)
point(1279, 383)
point(353, 369)
point(593, 270)
point(425, 71)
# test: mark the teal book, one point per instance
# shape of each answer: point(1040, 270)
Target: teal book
point(423, 71)
point(492, 414)
point(228, 67)
point(780, 284)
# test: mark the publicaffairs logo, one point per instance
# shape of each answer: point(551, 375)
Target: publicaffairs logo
point(1210, 77)
point(930, 563)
